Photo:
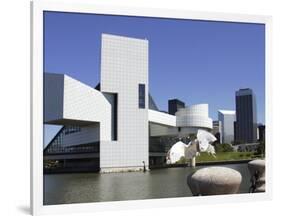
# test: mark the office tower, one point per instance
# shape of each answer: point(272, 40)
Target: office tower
point(227, 119)
point(246, 116)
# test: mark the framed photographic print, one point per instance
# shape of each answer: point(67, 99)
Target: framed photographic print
point(144, 105)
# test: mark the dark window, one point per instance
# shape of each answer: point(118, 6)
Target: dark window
point(142, 96)
point(115, 116)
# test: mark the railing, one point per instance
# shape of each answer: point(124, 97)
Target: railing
point(85, 148)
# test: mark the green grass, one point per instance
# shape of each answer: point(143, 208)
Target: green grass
point(226, 156)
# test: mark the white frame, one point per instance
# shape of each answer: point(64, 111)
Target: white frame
point(85, 6)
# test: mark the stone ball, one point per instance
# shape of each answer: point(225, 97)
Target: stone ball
point(214, 181)
point(257, 165)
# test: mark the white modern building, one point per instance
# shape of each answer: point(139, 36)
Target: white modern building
point(112, 123)
point(227, 119)
point(187, 121)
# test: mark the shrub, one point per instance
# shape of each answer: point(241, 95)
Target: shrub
point(182, 160)
point(261, 148)
point(224, 147)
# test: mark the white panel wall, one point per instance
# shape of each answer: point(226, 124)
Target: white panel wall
point(194, 116)
point(161, 118)
point(69, 99)
point(161, 130)
point(189, 119)
point(124, 65)
point(82, 102)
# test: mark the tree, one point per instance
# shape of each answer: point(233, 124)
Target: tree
point(261, 148)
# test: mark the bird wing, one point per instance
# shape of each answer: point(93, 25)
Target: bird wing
point(211, 150)
point(177, 151)
point(205, 135)
point(204, 139)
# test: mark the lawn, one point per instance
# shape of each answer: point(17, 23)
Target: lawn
point(226, 156)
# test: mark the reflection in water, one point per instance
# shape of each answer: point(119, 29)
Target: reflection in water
point(95, 187)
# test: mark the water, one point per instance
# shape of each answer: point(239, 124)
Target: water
point(95, 187)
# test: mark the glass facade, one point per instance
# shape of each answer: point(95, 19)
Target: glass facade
point(71, 129)
point(56, 146)
point(246, 120)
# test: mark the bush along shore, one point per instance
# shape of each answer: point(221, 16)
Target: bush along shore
point(221, 158)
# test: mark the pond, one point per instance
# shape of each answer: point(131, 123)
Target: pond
point(96, 187)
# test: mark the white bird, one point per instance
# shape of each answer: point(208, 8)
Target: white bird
point(193, 149)
point(205, 139)
point(176, 152)
point(211, 150)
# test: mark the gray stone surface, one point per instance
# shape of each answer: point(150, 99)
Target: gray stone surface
point(214, 181)
point(257, 170)
point(260, 189)
point(257, 165)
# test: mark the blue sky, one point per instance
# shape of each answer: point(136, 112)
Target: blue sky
point(194, 61)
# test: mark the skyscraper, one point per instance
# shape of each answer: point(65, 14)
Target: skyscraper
point(227, 119)
point(246, 116)
point(175, 105)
